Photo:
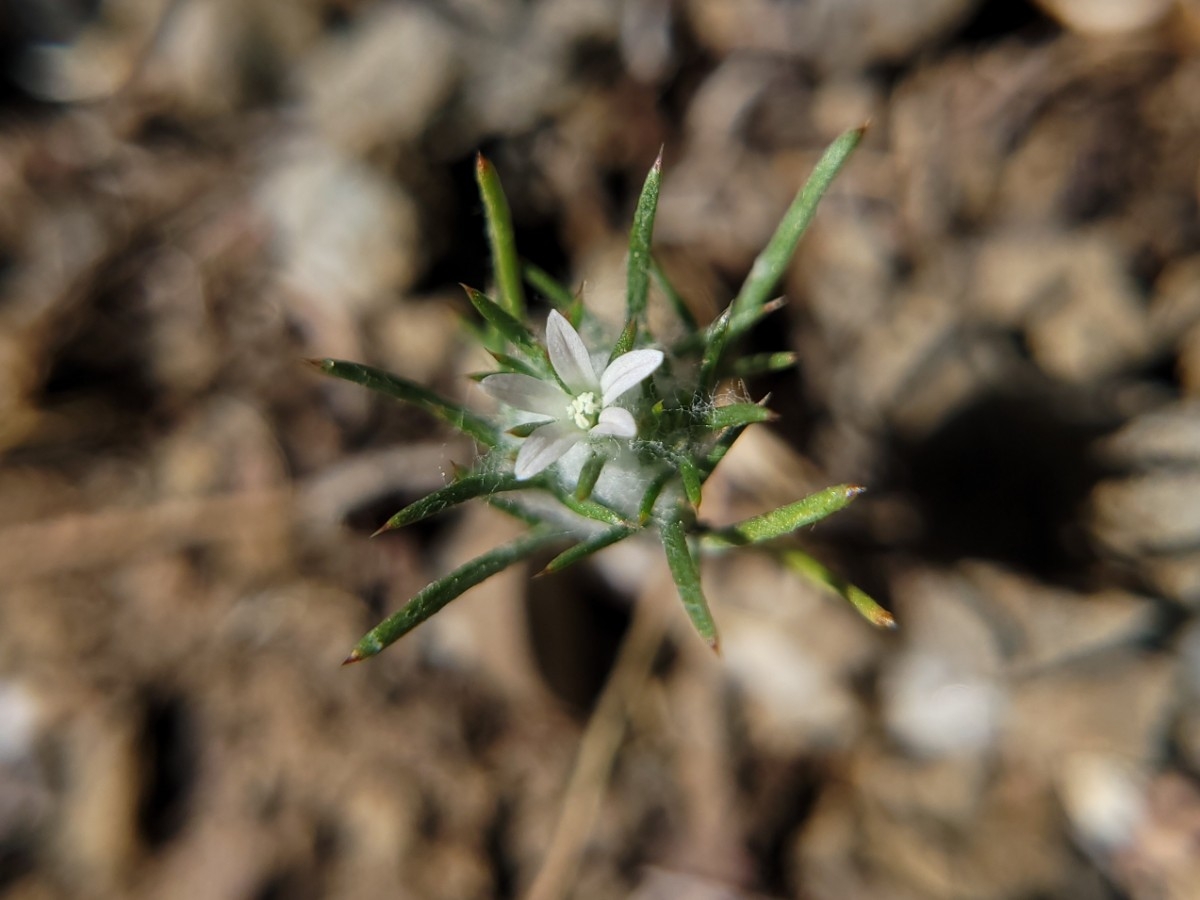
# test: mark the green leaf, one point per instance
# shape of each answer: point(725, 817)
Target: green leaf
point(466, 488)
point(512, 364)
point(589, 474)
point(625, 342)
point(516, 510)
point(646, 507)
point(770, 265)
point(786, 519)
point(725, 440)
point(673, 296)
point(803, 564)
point(435, 596)
point(587, 547)
point(762, 363)
point(687, 580)
point(589, 509)
point(737, 414)
point(714, 348)
point(525, 429)
point(542, 282)
point(484, 335)
point(692, 481)
point(501, 238)
point(457, 416)
point(514, 331)
point(640, 235)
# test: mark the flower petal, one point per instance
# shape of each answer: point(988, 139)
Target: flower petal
point(527, 393)
point(627, 370)
point(544, 447)
point(569, 355)
point(615, 421)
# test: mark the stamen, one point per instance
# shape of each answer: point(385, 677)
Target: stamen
point(584, 410)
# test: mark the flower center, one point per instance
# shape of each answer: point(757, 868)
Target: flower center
point(584, 410)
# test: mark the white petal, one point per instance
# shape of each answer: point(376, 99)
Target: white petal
point(545, 446)
point(568, 354)
point(617, 422)
point(527, 393)
point(627, 370)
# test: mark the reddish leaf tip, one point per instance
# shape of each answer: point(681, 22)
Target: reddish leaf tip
point(386, 526)
point(883, 619)
point(354, 657)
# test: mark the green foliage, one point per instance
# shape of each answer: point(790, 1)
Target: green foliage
point(647, 433)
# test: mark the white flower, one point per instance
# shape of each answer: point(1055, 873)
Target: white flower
point(585, 410)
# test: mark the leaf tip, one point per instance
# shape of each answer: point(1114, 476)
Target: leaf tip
point(883, 619)
point(384, 528)
point(355, 656)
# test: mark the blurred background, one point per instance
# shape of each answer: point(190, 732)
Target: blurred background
point(997, 316)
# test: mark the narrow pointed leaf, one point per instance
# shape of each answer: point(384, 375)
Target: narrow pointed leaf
point(717, 453)
point(463, 489)
point(692, 481)
point(697, 341)
point(762, 363)
point(638, 275)
point(512, 364)
point(714, 349)
point(786, 519)
point(770, 265)
point(435, 596)
point(484, 335)
point(736, 414)
point(513, 330)
point(525, 430)
point(803, 564)
point(586, 548)
point(589, 509)
point(546, 285)
point(589, 475)
point(452, 413)
point(678, 304)
point(625, 340)
point(687, 581)
point(514, 509)
point(501, 238)
point(646, 507)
